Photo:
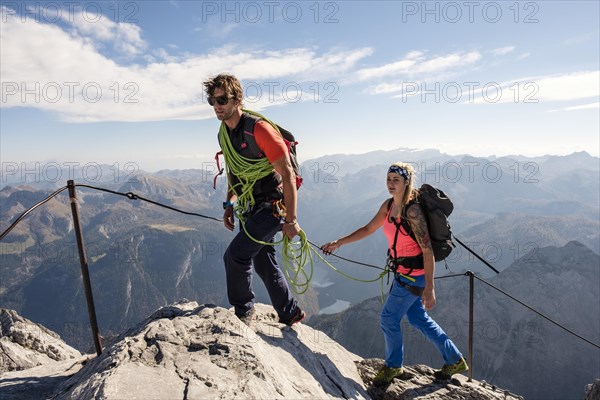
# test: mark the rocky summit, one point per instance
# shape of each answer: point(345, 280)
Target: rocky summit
point(191, 351)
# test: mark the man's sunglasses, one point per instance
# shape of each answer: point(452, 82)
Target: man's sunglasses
point(221, 100)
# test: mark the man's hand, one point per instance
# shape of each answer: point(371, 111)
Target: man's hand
point(290, 230)
point(228, 220)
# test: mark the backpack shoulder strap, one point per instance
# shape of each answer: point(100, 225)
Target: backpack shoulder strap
point(248, 139)
point(403, 223)
point(404, 220)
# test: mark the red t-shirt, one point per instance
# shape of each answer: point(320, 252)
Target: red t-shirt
point(269, 141)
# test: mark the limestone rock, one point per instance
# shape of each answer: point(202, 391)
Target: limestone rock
point(592, 391)
point(41, 382)
point(189, 351)
point(420, 383)
point(25, 344)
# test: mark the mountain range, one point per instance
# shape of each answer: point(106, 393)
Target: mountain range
point(143, 256)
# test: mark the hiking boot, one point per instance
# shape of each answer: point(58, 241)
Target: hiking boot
point(298, 316)
point(448, 370)
point(386, 375)
point(248, 317)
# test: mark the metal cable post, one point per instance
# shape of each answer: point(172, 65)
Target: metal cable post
point(471, 297)
point(85, 274)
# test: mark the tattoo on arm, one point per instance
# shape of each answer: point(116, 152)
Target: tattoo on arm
point(417, 221)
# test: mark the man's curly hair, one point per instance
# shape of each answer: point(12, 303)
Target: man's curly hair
point(226, 82)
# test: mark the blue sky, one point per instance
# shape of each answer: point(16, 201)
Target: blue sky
point(121, 82)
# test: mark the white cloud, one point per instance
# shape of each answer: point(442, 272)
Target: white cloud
point(336, 64)
point(125, 37)
point(572, 86)
point(502, 51)
point(396, 68)
point(216, 29)
point(589, 106)
point(163, 55)
point(63, 71)
point(574, 40)
point(416, 67)
point(416, 63)
point(549, 88)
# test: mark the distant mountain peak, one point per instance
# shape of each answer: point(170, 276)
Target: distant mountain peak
point(574, 255)
point(576, 245)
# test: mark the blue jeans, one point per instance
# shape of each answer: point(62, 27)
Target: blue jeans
point(401, 302)
point(243, 252)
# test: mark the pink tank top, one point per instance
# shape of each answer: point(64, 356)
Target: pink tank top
point(405, 245)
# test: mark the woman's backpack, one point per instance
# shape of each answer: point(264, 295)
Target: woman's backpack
point(436, 207)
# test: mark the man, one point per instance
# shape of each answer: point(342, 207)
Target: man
point(253, 138)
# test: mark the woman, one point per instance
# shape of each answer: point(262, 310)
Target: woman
point(412, 291)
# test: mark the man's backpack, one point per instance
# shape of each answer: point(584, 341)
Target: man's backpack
point(291, 143)
point(436, 207)
point(288, 138)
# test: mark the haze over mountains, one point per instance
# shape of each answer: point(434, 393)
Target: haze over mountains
point(143, 256)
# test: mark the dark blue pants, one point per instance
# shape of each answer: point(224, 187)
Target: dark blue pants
point(243, 252)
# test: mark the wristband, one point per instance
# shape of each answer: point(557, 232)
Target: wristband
point(227, 204)
point(290, 222)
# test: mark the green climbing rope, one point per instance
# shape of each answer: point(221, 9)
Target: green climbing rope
point(296, 255)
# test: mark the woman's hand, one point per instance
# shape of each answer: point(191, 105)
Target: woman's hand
point(428, 297)
point(330, 247)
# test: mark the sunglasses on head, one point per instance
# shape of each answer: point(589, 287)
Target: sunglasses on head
point(221, 100)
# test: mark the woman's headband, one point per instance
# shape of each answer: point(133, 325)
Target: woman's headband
point(400, 171)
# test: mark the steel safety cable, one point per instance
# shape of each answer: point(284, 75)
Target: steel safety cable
point(25, 213)
point(537, 312)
